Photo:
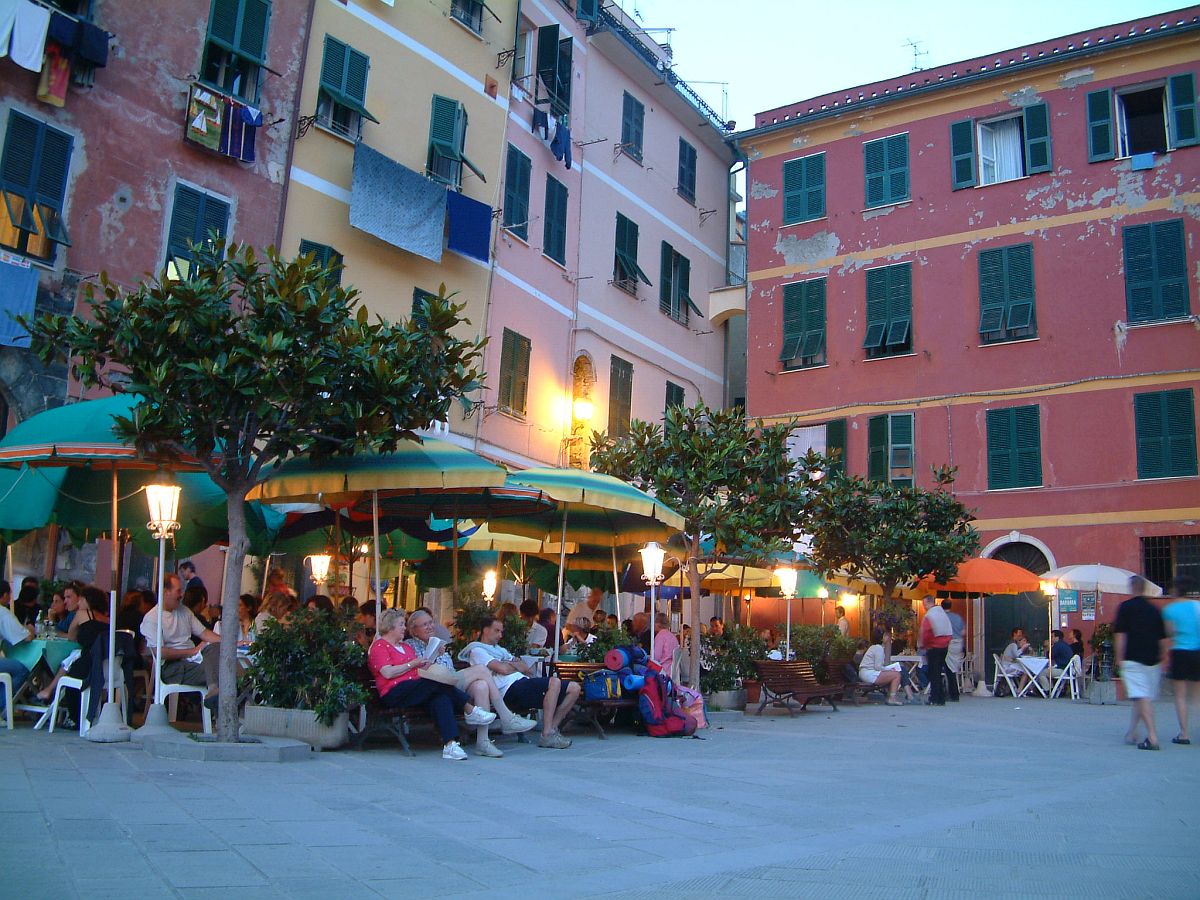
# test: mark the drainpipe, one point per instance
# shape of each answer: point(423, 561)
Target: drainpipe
point(291, 147)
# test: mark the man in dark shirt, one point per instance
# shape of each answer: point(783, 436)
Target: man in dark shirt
point(1140, 637)
point(187, 574)
point(1060, 651)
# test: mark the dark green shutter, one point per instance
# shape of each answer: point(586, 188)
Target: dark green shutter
point(223, 21)
point(666, 268)
point(1028, 432)
point(1180, 414)
point(876, 309)
point(991, 291)
point(897, 168)
point(1181, 99)
point(814, 321)
point(793, 321)
point(683, 288)
point(587, 10)
point(513, 385)
point(687, 170)
point(20, 160)
point(1014, 448)
point(626, 267)
point(1007, 295)
point(632, 122)
point(333, 66)
point(252, 40)
point(443, 123)
point(889, 308)
point(194, 215)
point(562, 77)
point(835, 439)
point(1019, 286)
point(674, 395)
point(326, 256)
point(620, 397)
point(1100, 126)
point(34, 166)
point(517, 170)
point(1156, 279)
point(874, 164)
point(547, 56)
point(885, 164)
point(357, 66)
point(50, 187)
point(554, 233)
point(1140, 281)
point(962, 154)
point(1000, 443)
point(804, 189)
point(1037, 139)
point(900, 440)
point(877, 448)
point(419, 316)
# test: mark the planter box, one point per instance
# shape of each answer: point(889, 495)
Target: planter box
point(300, 724)
point(1104, 692)
point(727, 699)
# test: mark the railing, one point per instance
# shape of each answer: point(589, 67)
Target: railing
point(608, 22)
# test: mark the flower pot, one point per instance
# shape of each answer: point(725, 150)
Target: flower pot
point(299, 724)
point(727, 699)
point(753, 690)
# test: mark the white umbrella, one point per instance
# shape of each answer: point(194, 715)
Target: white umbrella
point(1097, 577)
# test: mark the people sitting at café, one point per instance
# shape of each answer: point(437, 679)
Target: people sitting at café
point(180, 628)
point(548, 619)
point(1076, 642)
point(520, 688)
point(363, 629)
point(535, 638)
point(439, 630)
point(641, 630)
point(11, 632)
point(80, 613)
point(507, 610)
point(665, 642)
point(29, 602)
point(246, 607)
point(599, 619)
point(1009, 660)
point(1060, 651)
point(93, 606)
point(612, 621)
point(583, 613)
point(196, 600)
point(323, 602)
point(279, 605)
point(57, 614)
point(875, 668)
point(132, 610)
point(396, 666)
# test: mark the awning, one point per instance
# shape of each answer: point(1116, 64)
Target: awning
point(396, 204)
point(470, 226)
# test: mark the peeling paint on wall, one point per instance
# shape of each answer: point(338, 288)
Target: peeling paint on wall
point(760, 190)
point(1131, 190)
point(799, 140)
point(764, 225)
point(800, 252)
point(870, 214)
point(1076, 77)
point(853, 131)
point(1026, 96)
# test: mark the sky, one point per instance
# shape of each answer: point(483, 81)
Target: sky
point(775, 52)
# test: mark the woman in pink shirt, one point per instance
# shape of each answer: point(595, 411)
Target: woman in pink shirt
point(665, 643)
point(396, 668)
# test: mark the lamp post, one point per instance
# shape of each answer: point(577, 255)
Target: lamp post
point(822, 595)
point(318, 565)
point(787, 584)
point(489, 586)
point(652, 574)
point(162, 499)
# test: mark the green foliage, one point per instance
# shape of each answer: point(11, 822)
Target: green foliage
point(817, 643)
point(895, 616)
point(468, 622)
point(516, 635)
point(891, 534)
point(308, 663)
point(731, 656)
point(607, 638)
point(1101, 636)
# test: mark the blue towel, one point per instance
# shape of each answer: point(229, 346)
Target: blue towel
point(561, 145)
point(64, 31)
point(470, 226)
point(18, 293)
point(92, 46)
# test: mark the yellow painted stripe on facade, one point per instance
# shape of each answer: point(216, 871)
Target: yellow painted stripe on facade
point(978, 397)
point(1122, 517)
point(1172, 202)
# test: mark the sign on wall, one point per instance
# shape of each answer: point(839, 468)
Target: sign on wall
point(1068, 601)
point(1088, 603)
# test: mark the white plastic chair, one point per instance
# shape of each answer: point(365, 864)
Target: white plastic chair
point(170, 695)
point(6, 681)
point(1072, 675)
point(1000, 674)
point(676, 663)
point(67, 683)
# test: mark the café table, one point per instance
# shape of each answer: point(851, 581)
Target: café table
point(911, 662)
point(30, 653)
point(1035, 666)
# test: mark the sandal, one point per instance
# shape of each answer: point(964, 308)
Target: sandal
point(1146, 745)
point(1180, 740)
point(893, 702)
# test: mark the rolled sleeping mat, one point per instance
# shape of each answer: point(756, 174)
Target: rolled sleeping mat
point(636, 654)
point(625, 673)
point(616, 659)
point(633, 682)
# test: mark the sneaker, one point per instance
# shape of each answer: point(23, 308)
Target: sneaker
point(480, 716)
point(488, 748)
point(453, 751)
point(519, 725)
point(553, 741)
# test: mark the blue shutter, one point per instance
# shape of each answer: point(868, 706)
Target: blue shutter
point(1181, 99)
point(1100, 126)
point(1037, 139)
point(962, 154)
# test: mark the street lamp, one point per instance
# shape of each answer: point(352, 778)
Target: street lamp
point(319, 565)
point(822, 595)
point(162, 501)
point(489, 585)
point(787, 584)
point(652, 574)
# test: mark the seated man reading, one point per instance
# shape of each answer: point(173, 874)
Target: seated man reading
point(179, 628)
point(518, 686)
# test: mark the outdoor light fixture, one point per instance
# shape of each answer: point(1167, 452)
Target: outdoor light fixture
point(786, 576)
point(489, 585)
point(319, 563)
point(162, 499)
point(848, 597)
point(652, 563)
point(823, 593)
point(582, 409)
point(1049, 588)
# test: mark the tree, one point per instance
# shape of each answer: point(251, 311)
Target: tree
point(731, 480)
point(249, 360)
point(891, 534)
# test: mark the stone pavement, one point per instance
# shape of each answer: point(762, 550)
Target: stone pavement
point(989, 797)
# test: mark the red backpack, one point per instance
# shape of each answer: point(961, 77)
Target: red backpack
point(660, 710)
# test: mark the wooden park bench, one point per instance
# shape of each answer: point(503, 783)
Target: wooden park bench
point(590, 711)
point(783, 682)
point(850, 689)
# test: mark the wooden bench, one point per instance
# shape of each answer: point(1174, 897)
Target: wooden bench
point(850, 690)
point(590, 711)
point(783, 682)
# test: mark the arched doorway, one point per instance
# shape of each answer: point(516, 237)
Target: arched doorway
point(582, 381)
point(1004, 612)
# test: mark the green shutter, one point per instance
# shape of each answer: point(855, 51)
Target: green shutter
point(325, 256)
point(803, 322)
point(1014, 448)
point(357, 67)
point(554, 233)
point(683, 290)
point(991, 291)
point(835, 440)
point(632, 121)
point(900, 441)
point(223, 21)
point(626, 268)
point(21, 141)
point(333, 66)
point(1140, 279)
point(1180, 414)
point(587, 10)
point(1156, 281)
point(34, 167)
point(443, 122)
point(513, 386)
point(804, 189)
point(877, 448)
point(521, 375)
point(897, 168)
point(1000, 443)
point(517, 171)
point(185, 219)
point(962, 154)
point(876, 309)
point(687, 170)
point(793, 321)
point(562, 78)
point(1181, 99)
point(675, 395)
point(51, 184)
point(885, 164)
point(1100, 126)
point(1019, 313)
point(620, 397)
point(255, 20)
point(874, 165)
point(420, 296)
point(889, 309)
point(547, 56)
point(1028, 431)
point(1037, 139)
point(666, 268)
point(1007, 296)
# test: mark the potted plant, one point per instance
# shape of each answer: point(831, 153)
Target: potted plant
point(817, 644)
point(306, 675)
point(727, 663)
point(607, 638)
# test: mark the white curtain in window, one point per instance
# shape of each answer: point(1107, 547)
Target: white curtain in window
point(801, 440)
point(1001, 153)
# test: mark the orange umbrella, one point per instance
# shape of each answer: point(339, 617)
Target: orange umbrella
point(982, 575)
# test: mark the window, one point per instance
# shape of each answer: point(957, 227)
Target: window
point(1169, 557)
point(1006, 294)
point(626, 270)
point(447, 142)
point(514, 373)
point(554, 233)
point(620, 397)
point(804, 189)
point(554, 64)
point(33, 178)
point(633, 115)
point(885, 162)
point(470, 13)
point(236, 51)
point(195, 217)
point(674, 285)
point(1149, 119)
point(1165, 422)
point(523, 55)
point(890, 449)
point(516, 192)
point(326, 256)
point(420, 295)
point(587, 10)
point(1014, 448)
point(1009, 147)
point(341, 100)
point(1156, 277)
point(687, 171)
point(674, 395)
point(828, 440)
point(803, 324)
point(889, 311)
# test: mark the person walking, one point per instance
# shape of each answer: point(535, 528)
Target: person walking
point(1182, 619)
point(1140, 639)
point(936, 632)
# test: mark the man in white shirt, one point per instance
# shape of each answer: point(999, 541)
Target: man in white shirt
point(936, 632)
point(843, 623)
point(11, 632)
point(179, 628)
point(582, 613)
point(518, 686)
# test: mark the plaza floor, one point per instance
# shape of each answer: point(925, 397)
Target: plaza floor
point(989, 797)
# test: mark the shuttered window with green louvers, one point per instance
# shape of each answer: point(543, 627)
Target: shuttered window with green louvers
point(1101, 145)
point(803, 324)
point(885, 162)
point(33, 179)
point(517, 170)
point(687, 171)
point(620, 397)
point(633, 116)
point(326, 257)
point(674, 285)
point(554, 232)
point(447, 143)
point(197, 219)
point(804, 189)
point(342, 97)
point(1156, 275)
point(1007, 308)
point(626, 271)
point(554, 67)
point(1014, 448)
point(674, 395)
point(835, 445)
point(235, 52)
point(890, 449)
point(889, 311)
point(1165, 425)
point(513, 388)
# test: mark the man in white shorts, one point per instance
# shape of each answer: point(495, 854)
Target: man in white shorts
point(1140, 638)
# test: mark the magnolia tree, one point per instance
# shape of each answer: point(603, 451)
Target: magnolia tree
point(249, 360)
point(733, 481)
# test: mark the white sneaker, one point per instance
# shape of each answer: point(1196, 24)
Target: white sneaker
point(518, 725)
point(488, 748)
point(480, 716)
point(453, 751)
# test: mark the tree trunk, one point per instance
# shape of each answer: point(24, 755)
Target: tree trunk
point(231, 626)
point(694, 581)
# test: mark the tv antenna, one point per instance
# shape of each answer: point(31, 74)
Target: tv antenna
point(917, 53)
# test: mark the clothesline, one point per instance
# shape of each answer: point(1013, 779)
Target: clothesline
point(50, 6)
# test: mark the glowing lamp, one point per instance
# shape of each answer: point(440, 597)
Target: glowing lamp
point(787, 580)
point(489, 585)
point(319, 564)
point(652, 561)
